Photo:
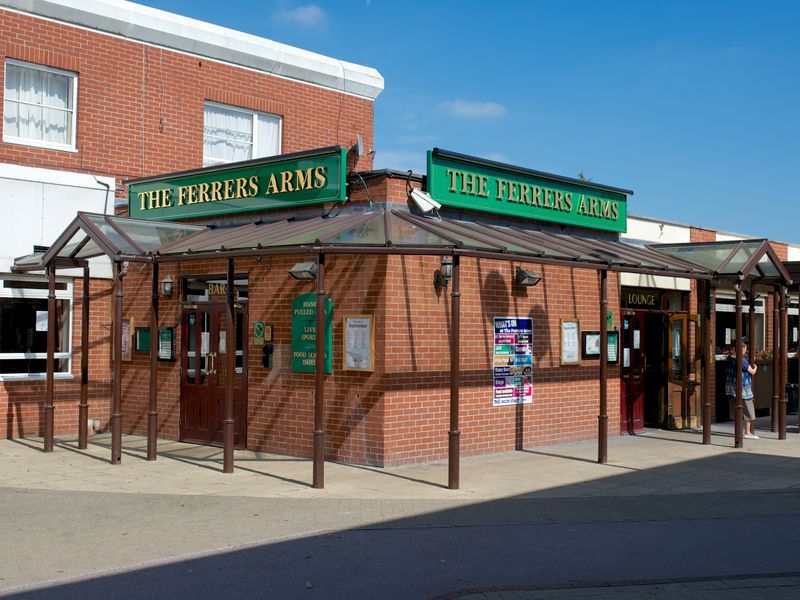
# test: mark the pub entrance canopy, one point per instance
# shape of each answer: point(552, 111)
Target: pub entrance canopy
point(379, 230)
point(749, 266)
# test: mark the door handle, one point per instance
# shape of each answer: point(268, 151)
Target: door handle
point(214, 363)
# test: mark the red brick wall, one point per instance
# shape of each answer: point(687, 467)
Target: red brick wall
point(140, 108)
point(566, 399)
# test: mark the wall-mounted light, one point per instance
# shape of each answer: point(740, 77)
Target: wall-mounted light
point(305, 271)
point(443, 274)
point(527, 278)
point(166, 287)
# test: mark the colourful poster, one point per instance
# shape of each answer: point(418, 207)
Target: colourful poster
point(512, 361)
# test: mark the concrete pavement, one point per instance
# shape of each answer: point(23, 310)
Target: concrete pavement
point(72, 515)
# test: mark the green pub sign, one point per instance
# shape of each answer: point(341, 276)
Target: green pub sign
point(463, 181)
point(304, 334)
point(263, 184)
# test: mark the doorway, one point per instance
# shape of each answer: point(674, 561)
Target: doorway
point(204, 376)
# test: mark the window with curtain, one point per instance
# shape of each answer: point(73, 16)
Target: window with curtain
point(23, 327)
point(231, 134)
point(39, 106)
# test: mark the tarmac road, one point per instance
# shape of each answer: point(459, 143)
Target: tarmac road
point(667, 507)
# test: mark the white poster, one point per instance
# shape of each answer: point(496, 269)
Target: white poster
point(358, 343)
point(626, 357)
point(41, 320)
point(636, 339)
point(223, 337)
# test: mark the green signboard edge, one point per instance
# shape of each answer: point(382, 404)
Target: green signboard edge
point(504, 209)
point(341, 196)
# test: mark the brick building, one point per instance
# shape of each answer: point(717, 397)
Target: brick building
point(262, 144)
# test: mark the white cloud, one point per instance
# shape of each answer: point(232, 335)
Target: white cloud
point(468, 109)
point(309, 15)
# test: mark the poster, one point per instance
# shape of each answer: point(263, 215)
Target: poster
point(359, 343)
point(570, 344)
point(41, 320)
point(512, 361)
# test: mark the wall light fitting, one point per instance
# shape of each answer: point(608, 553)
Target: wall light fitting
point(442, 275)
point(305, 271)
point(527, 278)
point(166, 287)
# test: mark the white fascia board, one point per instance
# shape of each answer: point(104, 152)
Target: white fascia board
point(183, 34)
point(51, 176)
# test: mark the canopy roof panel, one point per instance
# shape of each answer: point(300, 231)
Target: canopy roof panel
point(735, 260)
point(378, 231)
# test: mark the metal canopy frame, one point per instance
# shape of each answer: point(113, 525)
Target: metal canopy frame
point(379, 231)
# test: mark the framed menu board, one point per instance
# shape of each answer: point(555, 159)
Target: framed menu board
point(570, 342)
point(358, 352)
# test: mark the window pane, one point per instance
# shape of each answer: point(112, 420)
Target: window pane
point(228, 134)
point(268, 136)
point(19, 334)
point(38, 105)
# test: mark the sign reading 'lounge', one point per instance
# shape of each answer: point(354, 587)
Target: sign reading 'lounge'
point(270, 183)
point(466, 182)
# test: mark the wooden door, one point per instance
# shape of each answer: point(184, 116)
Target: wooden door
point(204, 376)
point(632, 373)
point(683, 381)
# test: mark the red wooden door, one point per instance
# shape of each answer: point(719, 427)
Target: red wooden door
point(632, 373)
point(204, 376)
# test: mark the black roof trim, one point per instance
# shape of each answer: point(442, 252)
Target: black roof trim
point(392, 174)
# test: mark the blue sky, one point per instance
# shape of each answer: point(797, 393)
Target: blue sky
point(693, 105)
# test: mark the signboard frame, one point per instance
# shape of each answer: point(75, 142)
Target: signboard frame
point(467, 182)
point(270, 183)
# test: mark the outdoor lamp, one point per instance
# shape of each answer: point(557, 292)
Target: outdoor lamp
point(527, 278)
point(443, 274)
point(305, 271)
point(166, 287)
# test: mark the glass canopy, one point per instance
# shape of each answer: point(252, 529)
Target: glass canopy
point(736, 259)
point(385, 231)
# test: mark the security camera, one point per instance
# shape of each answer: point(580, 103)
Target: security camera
point(424, 201)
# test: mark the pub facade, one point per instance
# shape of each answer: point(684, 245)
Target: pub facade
point(477, 308)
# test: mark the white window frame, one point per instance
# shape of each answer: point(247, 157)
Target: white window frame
point(73, 77)
point(210, 162)
point(38, 294)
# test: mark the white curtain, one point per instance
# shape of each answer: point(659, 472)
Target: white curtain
point(268, 136)
point(38, 105)
point(228, 135)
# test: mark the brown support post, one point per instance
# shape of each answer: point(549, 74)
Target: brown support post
point(152, 409)
point(83, 407)
point(49, 408)
point(454, 443)
point(116, 401)
point(319, 394)
point(706, 361)
point(784, 364)
point(230, 372)
point(738, 429)
point(776, 365)
point(602, 419)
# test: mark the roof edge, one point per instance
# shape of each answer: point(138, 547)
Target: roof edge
point(184, 34)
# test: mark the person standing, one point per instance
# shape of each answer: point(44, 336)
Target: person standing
point(748, 370)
